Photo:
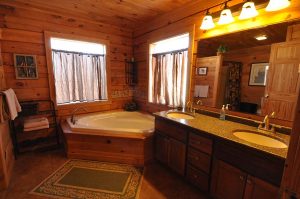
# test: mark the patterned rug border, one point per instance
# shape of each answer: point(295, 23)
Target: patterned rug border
point(92, 161)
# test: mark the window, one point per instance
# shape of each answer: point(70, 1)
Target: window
point(168, 71)
point(79, 71)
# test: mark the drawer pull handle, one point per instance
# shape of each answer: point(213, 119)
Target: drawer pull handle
point(249, 181)
point(241, 177)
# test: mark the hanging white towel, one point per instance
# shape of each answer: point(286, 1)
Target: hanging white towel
point(36, 128)
point(201, 91)
point(12, 103)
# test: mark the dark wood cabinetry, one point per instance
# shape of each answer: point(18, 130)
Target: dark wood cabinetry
point(199, 161)
point(229, 182)
point(170, 146)
point(257, 188)
point(177, 151)
point(224, 169)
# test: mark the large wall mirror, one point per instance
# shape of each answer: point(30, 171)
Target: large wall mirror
point(255, 71)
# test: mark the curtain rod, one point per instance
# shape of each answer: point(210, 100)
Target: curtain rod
point(81, 53)
point(170, 52)
point(193, 14)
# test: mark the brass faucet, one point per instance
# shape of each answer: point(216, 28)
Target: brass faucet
point(265, 125)
point(73, 120)
point(199, 102)
point(189, 106)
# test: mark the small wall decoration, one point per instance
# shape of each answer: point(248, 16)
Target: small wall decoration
point(258, 74)
point(25, 66)
point(202, 71)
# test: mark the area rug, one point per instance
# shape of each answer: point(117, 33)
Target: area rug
point(82, 179)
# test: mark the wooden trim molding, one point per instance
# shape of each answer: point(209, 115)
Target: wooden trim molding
point(47, 36)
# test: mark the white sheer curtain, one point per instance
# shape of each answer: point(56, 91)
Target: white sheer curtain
point(79, 77)
point(169, 77)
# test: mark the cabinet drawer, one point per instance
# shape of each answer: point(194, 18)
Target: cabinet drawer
point(197, 178)
point(199, 160)
point(171, 129)
point(201, 143)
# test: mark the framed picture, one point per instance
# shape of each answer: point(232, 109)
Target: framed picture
point(258, 74)
point(25, 66)
point(202, 70)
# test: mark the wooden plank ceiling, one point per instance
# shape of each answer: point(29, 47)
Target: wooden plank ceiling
point(129, 13)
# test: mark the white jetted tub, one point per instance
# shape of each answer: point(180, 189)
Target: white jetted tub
point(114, 122)
point(122, 137)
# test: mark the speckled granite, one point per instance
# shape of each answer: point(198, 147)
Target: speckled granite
point(225, 129)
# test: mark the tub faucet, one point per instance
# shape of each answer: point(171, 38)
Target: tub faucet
point(199, 102)
point(73, 121)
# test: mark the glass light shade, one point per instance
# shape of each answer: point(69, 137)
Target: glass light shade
point(207, 23)
point(225, 17)
point(275, 5)
point(248, 11)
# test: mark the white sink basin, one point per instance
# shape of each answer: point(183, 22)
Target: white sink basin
point(180, 115)
point(260, 139)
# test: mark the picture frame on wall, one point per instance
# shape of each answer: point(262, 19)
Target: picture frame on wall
point(202, 70)
point(25, 66)
point(258, 74)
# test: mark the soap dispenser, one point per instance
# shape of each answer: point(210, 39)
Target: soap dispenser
point(222, 113)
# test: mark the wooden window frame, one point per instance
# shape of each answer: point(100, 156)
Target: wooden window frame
point(189, 30)
point(48, 36)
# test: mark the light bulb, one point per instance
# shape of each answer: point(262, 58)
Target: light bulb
point(248, 10)
point(207, 23)
point(225, 17)
point(275, 5)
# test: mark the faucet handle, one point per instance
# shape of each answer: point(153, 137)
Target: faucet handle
point(272, 115)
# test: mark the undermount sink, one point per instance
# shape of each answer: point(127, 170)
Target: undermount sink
point(180, 115)
point(260, 139)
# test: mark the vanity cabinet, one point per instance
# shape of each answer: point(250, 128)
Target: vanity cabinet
point(229, 182)
point(199, 161)
point(170, 145)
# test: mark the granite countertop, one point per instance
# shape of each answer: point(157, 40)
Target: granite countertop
point(224, 129)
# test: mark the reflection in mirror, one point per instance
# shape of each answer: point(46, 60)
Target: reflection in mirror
point(237, 68)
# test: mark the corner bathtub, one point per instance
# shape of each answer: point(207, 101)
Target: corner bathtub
point(121, 137)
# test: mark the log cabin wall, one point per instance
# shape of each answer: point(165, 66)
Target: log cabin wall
point(179, 20)
point(23, 32)
point(248, 56)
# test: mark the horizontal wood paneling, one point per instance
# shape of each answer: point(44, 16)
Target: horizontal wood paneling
point(23, 33)
point(178, 20)
point(248, 56)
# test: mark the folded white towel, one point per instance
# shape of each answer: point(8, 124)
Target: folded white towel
point(35, 122)
point(12, 103)
point(37, 128)
point(201, 91)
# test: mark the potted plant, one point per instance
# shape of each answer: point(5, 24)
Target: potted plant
point(222, 49)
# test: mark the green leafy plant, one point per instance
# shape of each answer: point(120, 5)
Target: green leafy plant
point(222, 49)
point(130, 106)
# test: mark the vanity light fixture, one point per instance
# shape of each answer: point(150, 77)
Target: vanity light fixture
point(226, 16)
point(248, 10)
point(261, 37)
point(207, 22)
point(275, 5)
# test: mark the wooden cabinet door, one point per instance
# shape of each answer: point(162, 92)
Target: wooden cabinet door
point(290, 185)
point(177, 153)
point(256, 188)
point(161, 148)
point(228, 182)
point(283, 80)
